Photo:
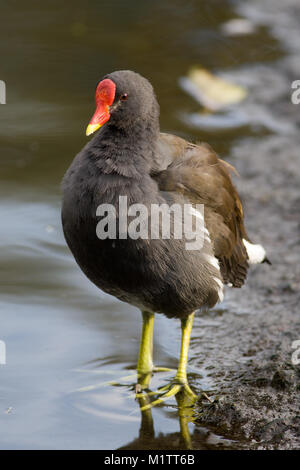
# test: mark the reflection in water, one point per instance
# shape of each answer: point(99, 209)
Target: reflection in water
point(147, 438)
point(184, 439)
point(168, 426)
point(185, 412)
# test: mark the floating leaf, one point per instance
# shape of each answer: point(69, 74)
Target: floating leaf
point(213, 92)
point(238, 27)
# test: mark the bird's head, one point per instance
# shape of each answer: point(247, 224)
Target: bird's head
point(122, 99)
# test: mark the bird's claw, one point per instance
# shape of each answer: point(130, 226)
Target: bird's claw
point(162, 369)
point(169, 391)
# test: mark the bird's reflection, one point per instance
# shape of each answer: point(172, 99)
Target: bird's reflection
point(147, 439)
point(200, 438)
point(191, 435)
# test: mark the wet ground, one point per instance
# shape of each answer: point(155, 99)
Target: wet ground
point(65, 339)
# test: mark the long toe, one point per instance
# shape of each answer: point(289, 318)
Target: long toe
point(169, 391)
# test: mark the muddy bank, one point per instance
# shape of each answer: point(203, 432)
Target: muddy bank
point(248, 352)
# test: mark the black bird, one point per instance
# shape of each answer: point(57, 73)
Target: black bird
point(130, 158)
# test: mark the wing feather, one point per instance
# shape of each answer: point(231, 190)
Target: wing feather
point(196, 172)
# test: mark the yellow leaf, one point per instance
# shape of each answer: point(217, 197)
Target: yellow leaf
point(214, 92)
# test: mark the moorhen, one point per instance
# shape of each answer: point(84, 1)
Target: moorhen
point(129, 157)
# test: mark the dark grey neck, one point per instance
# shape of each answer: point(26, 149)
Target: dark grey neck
point(126, 151)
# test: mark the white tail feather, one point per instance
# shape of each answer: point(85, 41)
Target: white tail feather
point(256, 253)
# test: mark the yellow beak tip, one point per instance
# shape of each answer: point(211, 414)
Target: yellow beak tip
point(91, 128)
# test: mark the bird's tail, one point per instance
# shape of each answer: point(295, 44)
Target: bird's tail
point(256, 253)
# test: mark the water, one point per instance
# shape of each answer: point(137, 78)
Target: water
point(65, 339)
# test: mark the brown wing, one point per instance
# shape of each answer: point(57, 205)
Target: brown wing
point(196, 172)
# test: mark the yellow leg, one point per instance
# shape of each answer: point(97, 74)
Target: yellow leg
point(186, 328)
point(145, 366)
point(145, 361)
point(180, 381)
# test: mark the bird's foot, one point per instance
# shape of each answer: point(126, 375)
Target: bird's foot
point(162, 369)
point(141, 376)
point(144, 378)
point(170, 390)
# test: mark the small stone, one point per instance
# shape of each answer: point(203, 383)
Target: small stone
point(282, 380)
point(261, 382)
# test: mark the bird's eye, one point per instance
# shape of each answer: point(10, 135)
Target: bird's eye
point(124, 97)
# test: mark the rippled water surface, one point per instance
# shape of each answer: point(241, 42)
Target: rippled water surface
point(65, 339)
